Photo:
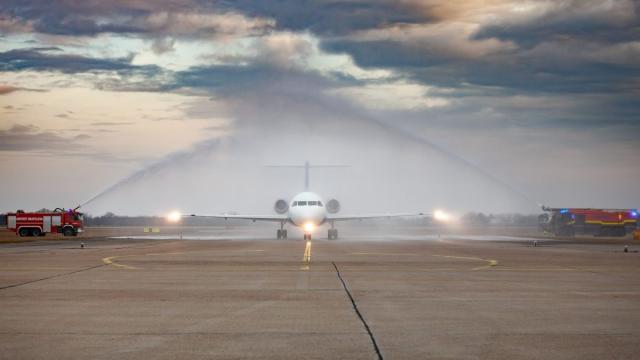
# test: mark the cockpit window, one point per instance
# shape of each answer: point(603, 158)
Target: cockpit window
point(313, 203)
point(302, 203)
point(319, 203)
point(295, 203)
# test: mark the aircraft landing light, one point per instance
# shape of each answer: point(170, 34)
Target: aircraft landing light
point(308, 227)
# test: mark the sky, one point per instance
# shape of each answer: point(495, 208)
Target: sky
point(494, 105)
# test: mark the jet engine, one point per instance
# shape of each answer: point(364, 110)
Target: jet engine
point(281, 206)
point(333, 206)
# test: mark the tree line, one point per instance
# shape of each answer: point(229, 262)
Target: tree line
point(470, 218)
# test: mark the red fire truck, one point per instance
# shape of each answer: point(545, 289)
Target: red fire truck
point(65, 222)
point(597, 222)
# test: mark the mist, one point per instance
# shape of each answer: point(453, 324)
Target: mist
point(389, 169)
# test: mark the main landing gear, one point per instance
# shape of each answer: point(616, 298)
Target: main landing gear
point(332, 233)
point(282, 232)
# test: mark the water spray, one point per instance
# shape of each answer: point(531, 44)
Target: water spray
point(440, 149)
point(178, 156)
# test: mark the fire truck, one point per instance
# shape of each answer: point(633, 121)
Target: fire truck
point(61, 221)
point(596, 222)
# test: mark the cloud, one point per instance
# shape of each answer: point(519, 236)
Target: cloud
point(532, 22)
point(12, 25)
point(8, 89)
point(196, 24)
point(392, 96)
point(31, 138)
point(444, 40)
point(112, 123)
point(146, 18)
point(333, 17)
point(103, 73)
point(284, 49)
point(163, 45)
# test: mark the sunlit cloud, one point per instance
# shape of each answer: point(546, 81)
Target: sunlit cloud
point(392, 96)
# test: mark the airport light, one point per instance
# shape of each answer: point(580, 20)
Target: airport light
point(441, 216)
point(174, 217)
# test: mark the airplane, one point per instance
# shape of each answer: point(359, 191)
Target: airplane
point(306, 210)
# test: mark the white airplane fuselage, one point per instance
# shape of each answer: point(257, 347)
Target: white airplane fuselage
point(307, 210)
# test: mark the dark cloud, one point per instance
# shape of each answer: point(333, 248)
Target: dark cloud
point(89, 18)
point(77, 18)
point(332, 17)
point(384, 53)
point(147, 18)
point(533, 34)
point(608, 22)
point(52, 59)
point(236, 80)
point(556, 69)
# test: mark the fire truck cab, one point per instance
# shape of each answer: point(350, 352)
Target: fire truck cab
point(596, 222)
point(65, 222)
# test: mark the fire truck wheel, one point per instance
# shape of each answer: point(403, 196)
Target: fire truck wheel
point(35, 232)
point(67, 231)
point(23, 232)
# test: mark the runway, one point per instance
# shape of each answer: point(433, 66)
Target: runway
point(353, 298)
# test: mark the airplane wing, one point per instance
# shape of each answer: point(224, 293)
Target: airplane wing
point(379, 216)
point(274, 218)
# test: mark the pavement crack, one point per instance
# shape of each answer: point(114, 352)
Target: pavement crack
point(51, 277)
point(355, 308)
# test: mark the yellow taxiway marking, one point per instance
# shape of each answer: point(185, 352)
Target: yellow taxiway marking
point(490, 262)
point(109, 261)
point(538, 269)
point(387, 254)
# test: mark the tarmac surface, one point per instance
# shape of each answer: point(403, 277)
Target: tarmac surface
point(361, 297)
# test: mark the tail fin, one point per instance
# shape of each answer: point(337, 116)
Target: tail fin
point(306, 168)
